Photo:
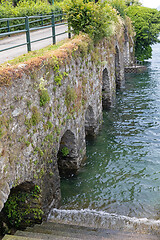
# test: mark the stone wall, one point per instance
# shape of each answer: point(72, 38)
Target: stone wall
point(47, 107)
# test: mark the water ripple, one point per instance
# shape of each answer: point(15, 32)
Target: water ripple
point(122, 172)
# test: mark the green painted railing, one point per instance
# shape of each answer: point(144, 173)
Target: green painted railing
point(40, 22)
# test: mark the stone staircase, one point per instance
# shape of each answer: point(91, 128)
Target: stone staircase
point(59, 231)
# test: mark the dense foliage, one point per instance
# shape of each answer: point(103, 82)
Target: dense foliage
point(119, 5)
point(15, 2)
point(146, 22)
point(97, 20)
point(132, 2)
point(25, 8)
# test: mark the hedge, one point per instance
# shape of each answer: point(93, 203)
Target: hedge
point(25, 8)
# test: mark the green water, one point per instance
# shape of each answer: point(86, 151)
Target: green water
point(122, 171)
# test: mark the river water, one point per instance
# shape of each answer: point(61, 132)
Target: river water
point(121, 176)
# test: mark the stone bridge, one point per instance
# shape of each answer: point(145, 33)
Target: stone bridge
point(47, 107)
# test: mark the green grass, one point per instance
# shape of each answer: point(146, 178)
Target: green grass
point(23, 58)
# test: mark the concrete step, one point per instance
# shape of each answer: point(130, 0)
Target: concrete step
point(81, 232)
point(44, 236)
point(63, 233)
point(101, 219)
point(13, 237)
point(90, 231)
point(55, 225)
point(59, 231)
point(115, 236)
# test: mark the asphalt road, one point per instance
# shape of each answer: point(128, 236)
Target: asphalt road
point(19, 39)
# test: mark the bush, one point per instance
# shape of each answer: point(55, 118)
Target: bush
point(94, 19)
point(120, 6)
point(25, 8)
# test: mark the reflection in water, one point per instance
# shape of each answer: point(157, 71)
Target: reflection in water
point(122, 172)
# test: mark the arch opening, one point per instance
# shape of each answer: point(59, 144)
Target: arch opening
point(23, 208)
point(126, 48)
point(106, 91)
point(117, 69)
point(126, 38)
point(67, 155)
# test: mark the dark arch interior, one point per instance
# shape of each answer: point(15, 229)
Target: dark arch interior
point(67, 154)
point(105, 80)
point(106, 97)
point(126, 38)
point(22, 209)
point(117, 68)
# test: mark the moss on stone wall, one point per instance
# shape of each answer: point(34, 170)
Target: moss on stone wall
point(44, 98)
point(23, 208)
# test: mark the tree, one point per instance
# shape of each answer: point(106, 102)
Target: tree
point(133, 2)
point(119, 5)
point(146, 22)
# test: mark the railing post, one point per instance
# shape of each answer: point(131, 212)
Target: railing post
point(41, 19)
point(53, 29)
point(61, 16)
point(8, 27)
point(69, 32)
point(27, 34)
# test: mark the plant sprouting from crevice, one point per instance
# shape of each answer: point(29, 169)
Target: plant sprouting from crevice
point(65, 151)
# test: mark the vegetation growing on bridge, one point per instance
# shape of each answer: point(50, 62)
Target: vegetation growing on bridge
point(97, 20)
point(21, 210)
point(76, 96)
point(100, 20)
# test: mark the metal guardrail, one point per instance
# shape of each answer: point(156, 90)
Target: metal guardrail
point(46, 21)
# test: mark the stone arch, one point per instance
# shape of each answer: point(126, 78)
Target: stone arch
point(68, 154)
point(117, 68)
point(106, 90)
point(4, 193)
point(90, 122)
point(23, 207)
